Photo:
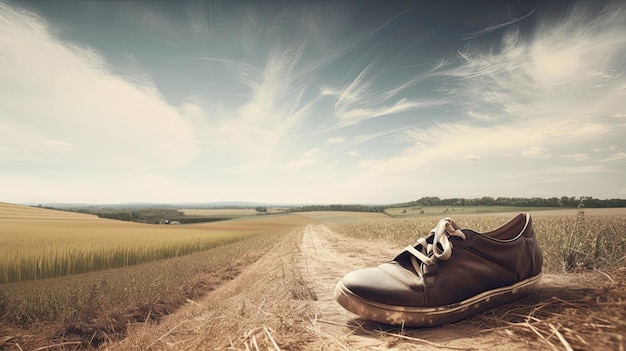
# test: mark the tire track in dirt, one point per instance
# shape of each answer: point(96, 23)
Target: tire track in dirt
point(326, 256)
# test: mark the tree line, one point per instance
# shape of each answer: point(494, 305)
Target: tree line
point(162, 215)
point(352, 208)
point(564, 201)
point(143, 215)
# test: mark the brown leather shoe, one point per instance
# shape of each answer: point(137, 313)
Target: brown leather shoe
point(449, 275)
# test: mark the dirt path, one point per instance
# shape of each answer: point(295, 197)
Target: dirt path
point(325, 258)
point(285, 301)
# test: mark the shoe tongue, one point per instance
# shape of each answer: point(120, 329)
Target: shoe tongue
point(403, 257)
point(404, 260)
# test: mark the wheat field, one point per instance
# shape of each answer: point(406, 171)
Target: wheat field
point(39, 243)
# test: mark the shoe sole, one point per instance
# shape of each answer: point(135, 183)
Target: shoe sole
point(433, 316)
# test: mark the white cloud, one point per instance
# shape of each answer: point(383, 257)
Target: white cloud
point(192, 110)
point(536, 97)
point(480, 116)
point(551, 75)
point(358, 115)
point(308, 159)
point(335, 140)
point(494, 27)
point(472, 157)
point(536, 152)
point(112, 187)
point(523, 101)
point(580, 157)
point(362, 98)
point(618, 156)
point(577, 170)
point(61, 95)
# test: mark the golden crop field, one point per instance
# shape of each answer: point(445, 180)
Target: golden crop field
point(10, 211)
point(38, 243)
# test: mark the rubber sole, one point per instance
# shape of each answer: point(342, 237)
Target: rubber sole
point(433, 316)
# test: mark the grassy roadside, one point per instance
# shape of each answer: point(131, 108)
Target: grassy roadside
point(583, 240)
point(582, 305)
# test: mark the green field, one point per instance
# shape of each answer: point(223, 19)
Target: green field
point(227, 213)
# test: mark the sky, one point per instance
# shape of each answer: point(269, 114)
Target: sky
point(372, 102)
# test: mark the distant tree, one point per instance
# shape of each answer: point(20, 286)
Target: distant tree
point(487, 201)
point(261, 209)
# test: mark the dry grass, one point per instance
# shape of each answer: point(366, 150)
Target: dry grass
point(585, 311)
point(96, 307)
point(245, 314)
point(587, 315)
point(580, 241)
point(273, 305)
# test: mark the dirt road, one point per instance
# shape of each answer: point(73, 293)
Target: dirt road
point(285, 301)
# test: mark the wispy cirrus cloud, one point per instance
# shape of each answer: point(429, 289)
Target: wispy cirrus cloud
point(572, 66)
point(362, 99)
point(279, 88)
point(559, 88)
point(545, 87)
point(366, 93)
point(252, 101)
point(498, 26)
point(357, 115)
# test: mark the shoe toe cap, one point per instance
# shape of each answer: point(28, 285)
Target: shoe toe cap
point(383, 285)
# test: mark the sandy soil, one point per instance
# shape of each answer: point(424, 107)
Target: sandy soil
point(285, 301)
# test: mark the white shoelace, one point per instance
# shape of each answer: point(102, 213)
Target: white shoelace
point(444, 229)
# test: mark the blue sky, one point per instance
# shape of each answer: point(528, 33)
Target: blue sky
point(311, 101)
